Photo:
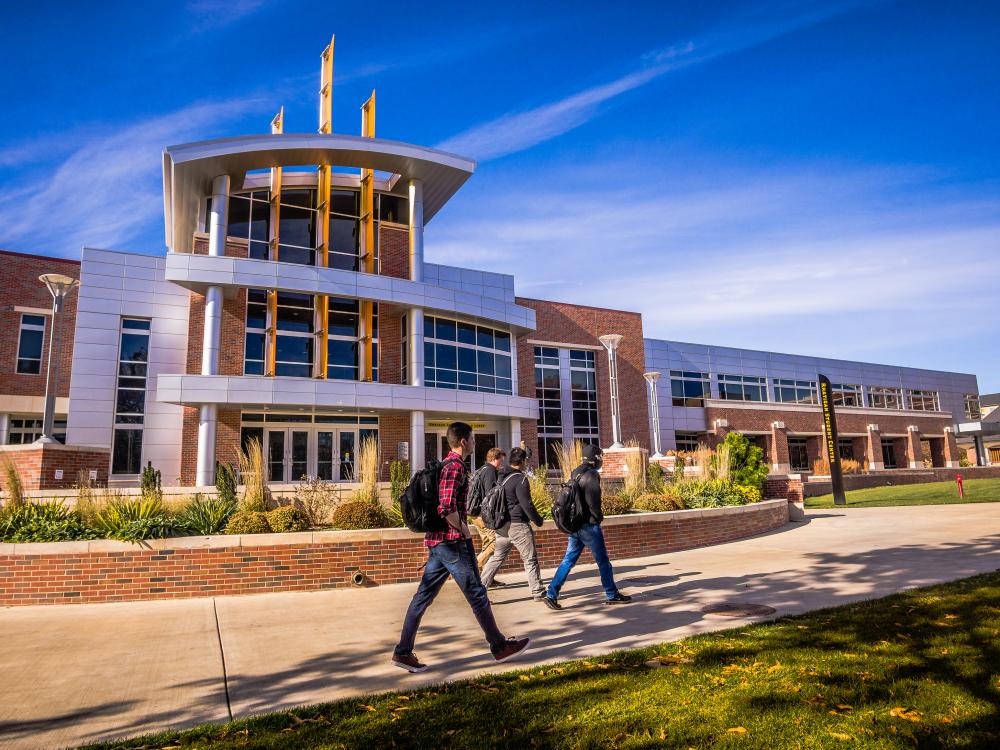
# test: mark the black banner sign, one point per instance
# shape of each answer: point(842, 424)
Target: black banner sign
point(832, 444)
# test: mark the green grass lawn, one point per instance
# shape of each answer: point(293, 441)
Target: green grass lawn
point(933, 493)
point(918, 669)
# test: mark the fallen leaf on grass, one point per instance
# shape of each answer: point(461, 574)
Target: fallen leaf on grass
point(775, 668)
point(366, 707)
point(737, 730)
point(839, 736)
point(901, 713)
point(524, 677)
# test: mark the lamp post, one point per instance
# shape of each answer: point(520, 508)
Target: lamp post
point(651, 378)
point(611, 342)
point(59, 287)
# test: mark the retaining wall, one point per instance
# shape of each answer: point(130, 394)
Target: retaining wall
point(109, 571)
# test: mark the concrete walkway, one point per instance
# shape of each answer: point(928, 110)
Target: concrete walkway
point(79, 673)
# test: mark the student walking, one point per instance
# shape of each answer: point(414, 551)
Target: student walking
point(450, 553)
point(517, 532)
point(589, 536)
point(482, 482)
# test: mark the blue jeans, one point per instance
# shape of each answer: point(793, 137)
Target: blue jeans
point(458, 560)
point(591, 537)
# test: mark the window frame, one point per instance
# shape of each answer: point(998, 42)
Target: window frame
point(918, 399)
point(434, 346)
point(27, 327)
point(880, 396)
point(746, 384)
point(131, 422)
point(689, 376)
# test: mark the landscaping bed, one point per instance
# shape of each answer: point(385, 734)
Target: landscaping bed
point(917, 669)
point(932, 493)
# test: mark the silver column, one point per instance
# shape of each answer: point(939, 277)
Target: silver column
point(611, 342)
point(417, 458)
point(59, 286)
point(416, 230)
point(208, 413)
point(415, 333)
point(652, 378)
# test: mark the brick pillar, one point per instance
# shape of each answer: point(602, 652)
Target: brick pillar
point(900, 451)
point(951, 449)
point(937, 452)
point(859, 447)
point(914, 451)
point(778, 457)
point(874, 451)
point(720, 428)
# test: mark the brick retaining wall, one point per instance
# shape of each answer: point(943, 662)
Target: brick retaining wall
point(107, 571)
point(38, 465)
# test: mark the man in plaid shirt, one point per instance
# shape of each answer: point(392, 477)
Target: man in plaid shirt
point(450, 553)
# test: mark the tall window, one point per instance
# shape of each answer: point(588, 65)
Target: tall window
point(845, 394)
point(256, 332)
point(29, 345)
point(795, 391)
point(972, 409)
point(882, 397)
point(130, 396)
point(344, 339)
point(466, 356)
point(549, 395)
point(294, 336)
point(583, 392)
point(742, 388)
point(250, 219)
point(689, 388)
point(923, 400)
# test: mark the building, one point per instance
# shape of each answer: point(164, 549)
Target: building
point(294, 306)
point(990, 404)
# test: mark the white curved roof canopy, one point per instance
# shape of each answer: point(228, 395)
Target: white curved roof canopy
point(188, 170)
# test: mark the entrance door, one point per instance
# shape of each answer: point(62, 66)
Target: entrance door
point(484, 442)
point(287, 455)
point(335, 455)
point(888, 454)
point(347, 443)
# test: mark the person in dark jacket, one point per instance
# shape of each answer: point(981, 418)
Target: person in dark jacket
point(482, 482)
point(589, 536)
point(517, 532)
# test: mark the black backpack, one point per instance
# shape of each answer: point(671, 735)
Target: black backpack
point(568, 511)
point(494, 510)
point(419, 502)
point(476, 494)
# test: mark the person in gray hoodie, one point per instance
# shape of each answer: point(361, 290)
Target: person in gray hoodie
point(517, 532)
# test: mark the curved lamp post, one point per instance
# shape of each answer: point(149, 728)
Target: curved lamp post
point(651, 378)
point(611, 342)
point(59, 287)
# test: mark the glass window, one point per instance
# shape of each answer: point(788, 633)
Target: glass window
point(130, 396)
point(845, 394)
point(393, 208)
point(742, 388)
point(250, 219)
point(549, 395)
point(462, 355)
point(798, 454)
point(29, 346)
point(881, 397)
point(972, 408)
point(26, 430)
point(795, 391)
point(583, 394)
point(689, 388)
point(687, 441)
point(923, 400)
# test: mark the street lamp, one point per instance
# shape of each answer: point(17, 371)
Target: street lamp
point(651, 378)
point(611, 342)
point(59, 287)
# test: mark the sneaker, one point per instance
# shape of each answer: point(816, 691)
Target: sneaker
point(497, 584)
point(511, 648)
point(551, 603)
point(620, 598)
point(409, 662)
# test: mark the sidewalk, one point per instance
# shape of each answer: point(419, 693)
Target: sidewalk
point(75, 674)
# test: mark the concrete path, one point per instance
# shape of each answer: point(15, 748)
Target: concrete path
point(79, 673)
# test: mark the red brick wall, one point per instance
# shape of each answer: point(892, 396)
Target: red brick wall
point(321, 561)
point(577, 324)
point(19, 286)
point(227, 441)
point(759, 420)
point(37, 465)
point(231, 336)
point(394, 251)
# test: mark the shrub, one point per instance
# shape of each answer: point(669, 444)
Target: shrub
point(655, 479)
point(248, 522)
point(251, 463)
point(635, 470)
point(850, 466)
point(653, 502)
point(51, 521)
point(135, 519)
point(821, 466)
point(149, 483)
point(617, 505)
point(679, 463)
point(964, 461)
point(746, 461)
point(12, 483)
point(750, 494)
point(317, 499)
point(225, 482)
point(288, 518)
point(361, 514)
point(399, 478)
point(207, 515)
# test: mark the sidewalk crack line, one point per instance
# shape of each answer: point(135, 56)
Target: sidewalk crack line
point(222, 655)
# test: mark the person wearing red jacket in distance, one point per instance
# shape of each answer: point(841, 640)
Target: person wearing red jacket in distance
point(450, 553)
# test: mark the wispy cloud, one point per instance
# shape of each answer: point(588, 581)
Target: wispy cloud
point(517, 131)
point(846, 261)
point(209, 15)
point(108, 190)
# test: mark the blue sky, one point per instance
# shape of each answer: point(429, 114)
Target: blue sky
point(820, 178)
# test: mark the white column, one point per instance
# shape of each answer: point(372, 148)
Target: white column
point(652, 378)
point(217, 231)
point(611, 342)
point(515, 433)
point(415, 341)
point(4, 428)
point(416, 230)
point(417, 458)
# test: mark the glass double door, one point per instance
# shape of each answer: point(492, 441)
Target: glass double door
point(292, 454)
